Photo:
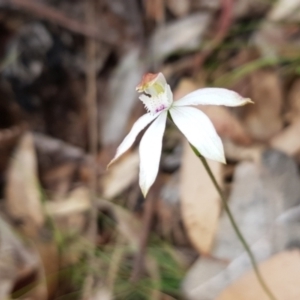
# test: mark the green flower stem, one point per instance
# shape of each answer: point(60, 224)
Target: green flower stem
point(235, 226)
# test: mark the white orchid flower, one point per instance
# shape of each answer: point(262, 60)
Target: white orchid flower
point(192, 122)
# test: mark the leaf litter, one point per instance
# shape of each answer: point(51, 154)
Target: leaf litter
point(182, 245)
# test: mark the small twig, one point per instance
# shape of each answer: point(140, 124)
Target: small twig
point(91, 101)
point(136, 18)
point(225, 22)
point(195, 61)
point(235, 226)
point(51, 14)
point(138, 264)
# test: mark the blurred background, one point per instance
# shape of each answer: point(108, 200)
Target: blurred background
point(70, 229)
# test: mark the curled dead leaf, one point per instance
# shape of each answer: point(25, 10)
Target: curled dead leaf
point(22, 192)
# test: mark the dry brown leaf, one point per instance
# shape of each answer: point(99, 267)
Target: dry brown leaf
point(239, 153)
point(49, 256)
point(199, 200)
point(102, 293)
point(263, 119)
point(186, 86)
point(261, 191)
point(17, 260)
point(69, 213)
point(226, 124)
point(22, 191)
point(246, 8)
point(185, 34)
point(285, 10)
point(288, 140)
point(293, 113)
point(76, 202)
point(121, 175)
point(281, 273)
point(179, 8)
point(45, 282)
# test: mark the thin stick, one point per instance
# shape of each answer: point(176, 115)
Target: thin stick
point(224, 24)
point(91, 102)
point(235, 226)
point(53, 15)
point(138, 263)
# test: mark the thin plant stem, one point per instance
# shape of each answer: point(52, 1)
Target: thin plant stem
point(235, 226)
point(91, 102)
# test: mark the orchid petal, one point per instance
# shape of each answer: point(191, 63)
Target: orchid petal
point(137, 127)
point(150, 152)
point(199, 131)
point(213, 96)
